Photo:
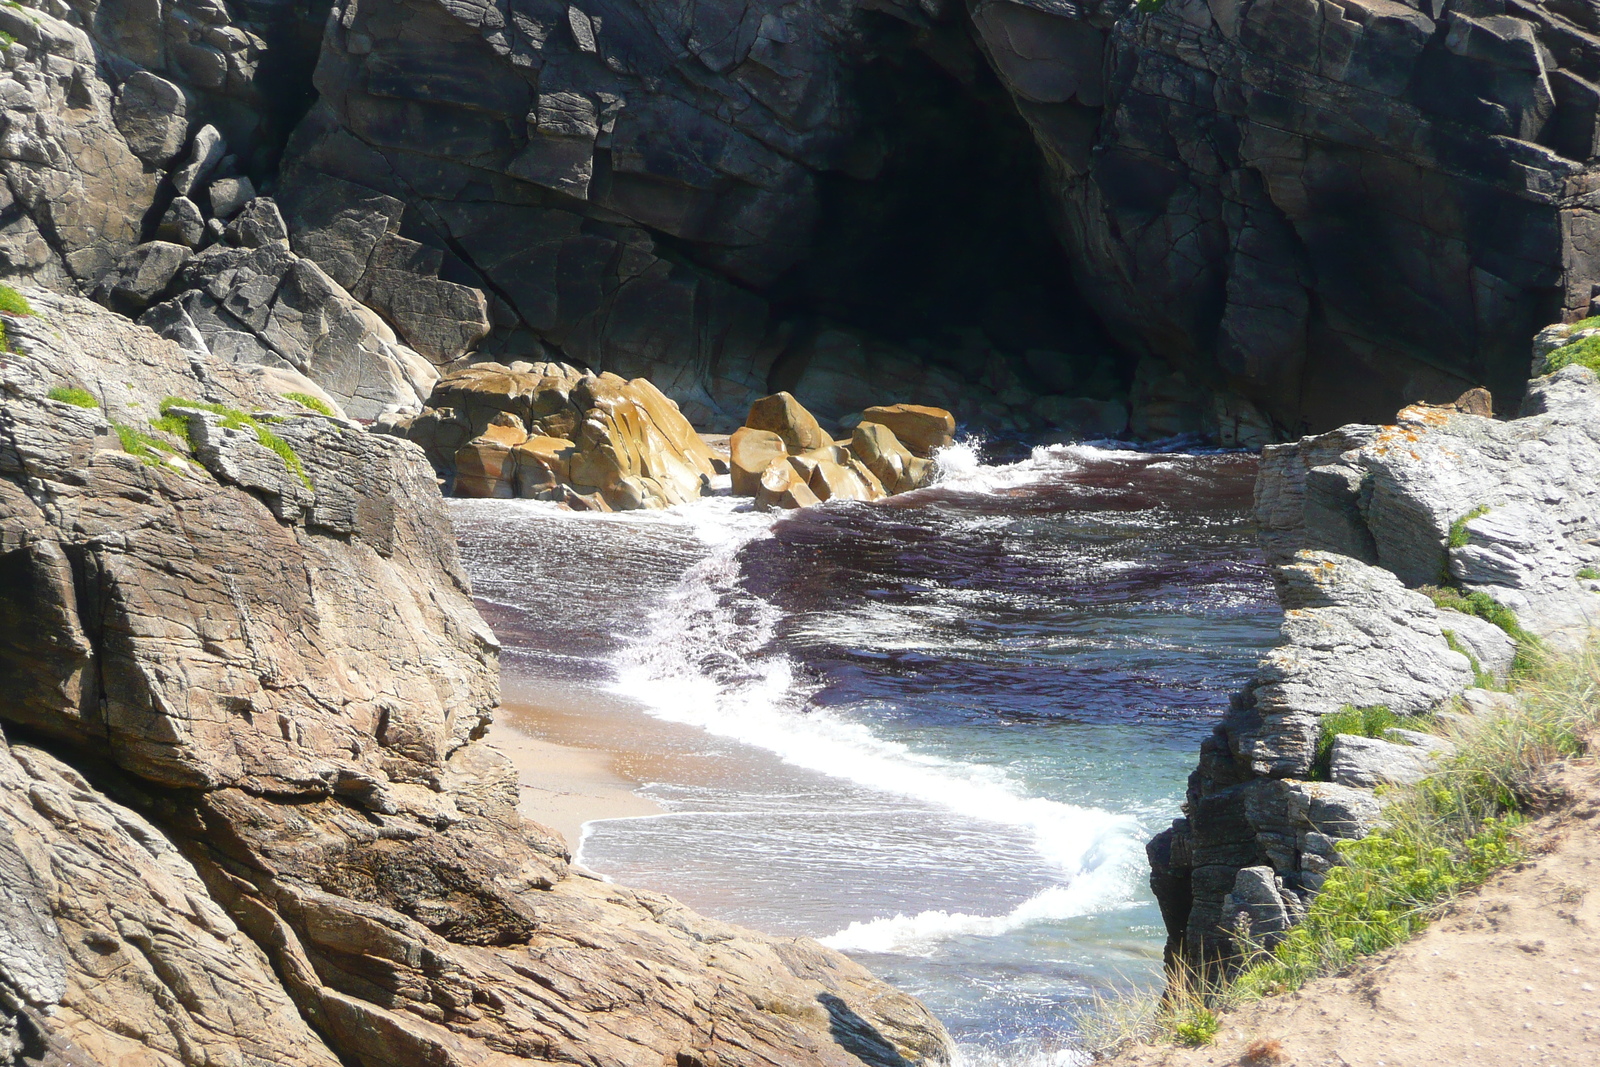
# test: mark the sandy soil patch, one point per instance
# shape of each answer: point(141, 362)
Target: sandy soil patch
point(1510, 976)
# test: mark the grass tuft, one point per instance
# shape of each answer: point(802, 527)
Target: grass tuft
point(1481, 678)
point(1483, 606)
point(1590, 574)
point(310, 403)
point(13, 302)
point(234, 419)
point(1458, 529)
point(151, 451)
point(1372, 721)
point(71, 394)
point(1584, 352)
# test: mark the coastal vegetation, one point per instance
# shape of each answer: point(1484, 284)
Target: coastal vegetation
point(232, 419)
point(11, 303)
point(1439, 838)
point(71, 394)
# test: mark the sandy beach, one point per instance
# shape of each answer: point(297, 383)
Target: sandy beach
point(564, 787)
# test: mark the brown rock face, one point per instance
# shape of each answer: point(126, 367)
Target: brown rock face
point(751, 452)
point(613, 442)
point(262, 641)
point(920, 429)
point(873, 464)
point(783, 415)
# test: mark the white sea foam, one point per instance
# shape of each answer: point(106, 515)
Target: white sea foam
point(981, 1056)
point(1096, 889)
point(960, 466)
point(701, 659)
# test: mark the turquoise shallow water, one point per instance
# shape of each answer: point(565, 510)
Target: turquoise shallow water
point(943, 725)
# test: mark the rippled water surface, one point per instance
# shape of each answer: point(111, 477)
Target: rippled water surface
point(941, 726)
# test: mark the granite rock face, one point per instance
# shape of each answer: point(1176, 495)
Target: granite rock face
point(256, 634)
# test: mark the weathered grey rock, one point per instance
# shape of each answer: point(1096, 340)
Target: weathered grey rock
point(182, 224)
point(1485, 642)
point(141, 277)
point(205, 152)
point(228, 195)
point(314, 681)
point(266, 305)
point(1488, 703)
point(1258, 906)
point(1282, 507)
point(258, 223)
point(352, 232)
point(75, 194)
point(1353, 635)
point(153, 116)
point(1524, 492)
point(1367, 762)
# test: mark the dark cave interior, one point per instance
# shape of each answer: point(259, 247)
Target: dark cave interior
point(940, 240)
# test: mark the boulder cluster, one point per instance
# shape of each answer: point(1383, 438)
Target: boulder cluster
point(784, 458)
point(598, 442)
point(549, 431)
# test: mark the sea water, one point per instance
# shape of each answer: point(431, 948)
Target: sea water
point(933, 732)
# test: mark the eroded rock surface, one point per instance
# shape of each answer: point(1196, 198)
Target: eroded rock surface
point(254, 631)
point(1354, 521)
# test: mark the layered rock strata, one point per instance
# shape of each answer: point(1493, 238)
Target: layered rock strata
point(247, 624)
point(1354, 522)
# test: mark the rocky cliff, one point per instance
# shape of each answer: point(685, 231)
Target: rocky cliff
point(1252, 218)
point(1378, 534)
point(245, 813)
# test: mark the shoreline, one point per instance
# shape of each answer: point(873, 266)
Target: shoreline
point(565, 782)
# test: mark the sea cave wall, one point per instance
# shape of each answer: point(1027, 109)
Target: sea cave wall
point(1249, 219)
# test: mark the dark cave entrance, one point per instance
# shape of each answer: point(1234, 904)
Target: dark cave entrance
point(939, 240)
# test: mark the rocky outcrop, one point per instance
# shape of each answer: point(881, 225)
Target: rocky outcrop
point(1241, 189)
point(551, 432)
point(260, 303)
point(1355, 521)
point(248, 623)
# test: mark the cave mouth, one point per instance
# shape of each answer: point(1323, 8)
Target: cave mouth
point(939, 239)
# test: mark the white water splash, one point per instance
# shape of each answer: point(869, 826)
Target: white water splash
point(701, 660)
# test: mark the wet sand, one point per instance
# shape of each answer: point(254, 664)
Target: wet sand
point(582, 754)
point(563, 786)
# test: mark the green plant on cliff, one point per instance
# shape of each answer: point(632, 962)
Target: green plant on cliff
point(11, 303)
point(1457, 537)
point(151, 451)
point(309, 402)
point(1584, 352)
point(1372, 721)
point(234, 419)
point(1480, 677)
point(1483, 606)
point(1589, 574)
point(71, 394)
